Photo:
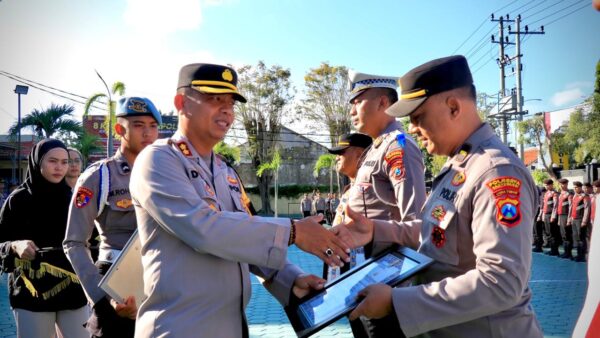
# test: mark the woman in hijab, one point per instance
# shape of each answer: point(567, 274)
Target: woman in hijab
point(44, 292)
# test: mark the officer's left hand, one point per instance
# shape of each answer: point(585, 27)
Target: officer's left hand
point(305, 283)
point(357, 230)
point(127, 309)
point(377, 302)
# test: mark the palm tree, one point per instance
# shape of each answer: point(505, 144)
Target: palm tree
point(87, 144)
point(272, 166)
point(327, 161)
point(49, 122)
point(118, 88)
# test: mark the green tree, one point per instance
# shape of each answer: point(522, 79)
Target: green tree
point(327, 99)
point(533, 131)
point(272, 167)
point(269, 92)
point(86, 143)
point(49, 122)
point(327, 161)
point(117, 89)
point(539, 176)
point(231, 153)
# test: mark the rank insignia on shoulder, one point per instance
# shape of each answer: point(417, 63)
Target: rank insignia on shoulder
point(438, 237)
point(83, 197)
point(438, 212)
point(185, 149)
point(459, 178)
point(124, 203)
point(401, 140)
point(506, 191)
point(377, 141)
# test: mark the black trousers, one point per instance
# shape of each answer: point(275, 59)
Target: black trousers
point(104, 321)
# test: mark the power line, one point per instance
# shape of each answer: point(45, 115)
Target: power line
point(564, 16)
point(544, 9)
point(561, 10)
point(43, 87)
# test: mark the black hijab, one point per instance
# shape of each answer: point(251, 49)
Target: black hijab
point(34, 182)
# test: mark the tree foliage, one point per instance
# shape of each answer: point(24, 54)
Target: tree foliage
point(269, 92)
point(230, 153)
point(49, 122)
point(117, 89)
point(533, 131)
point(327, 99)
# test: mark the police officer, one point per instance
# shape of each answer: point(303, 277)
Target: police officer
point(102, 199)
point(579, 217)
point(547, 214)
point(562, 210)
point(199, 241)
point(390, 182)
point(538, 225)
point(305, 205)
point(348, 151)
point(476, 223)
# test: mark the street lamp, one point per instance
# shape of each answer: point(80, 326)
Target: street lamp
point(109, 137)
point(19, 90)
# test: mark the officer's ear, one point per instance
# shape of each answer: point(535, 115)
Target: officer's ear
point(178, 101)
point(120, 129)
point(454, 104)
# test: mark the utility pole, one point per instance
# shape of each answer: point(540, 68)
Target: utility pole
point(502, 61)
point(519, 69)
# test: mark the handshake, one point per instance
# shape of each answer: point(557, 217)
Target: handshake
point(333, 246)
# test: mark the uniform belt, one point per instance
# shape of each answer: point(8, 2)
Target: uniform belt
point(108, 255)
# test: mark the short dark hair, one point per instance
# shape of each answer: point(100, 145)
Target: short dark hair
point(548, 181)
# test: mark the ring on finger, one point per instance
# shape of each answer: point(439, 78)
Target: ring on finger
point(329, 252)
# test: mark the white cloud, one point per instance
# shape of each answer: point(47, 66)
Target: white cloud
point(163, 17)
point(567, 96)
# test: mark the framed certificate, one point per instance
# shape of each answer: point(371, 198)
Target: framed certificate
point(338, 298)
point(125, 277)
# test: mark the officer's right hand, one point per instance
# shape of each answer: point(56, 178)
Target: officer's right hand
point(127, 309)
point(25, 249)
point(313, 238)
point(356, 230)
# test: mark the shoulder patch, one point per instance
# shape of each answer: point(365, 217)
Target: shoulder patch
point(506, 191)
point(395, 161)
point(83, 197)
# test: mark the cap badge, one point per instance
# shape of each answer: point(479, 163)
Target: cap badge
point(138, 106)
point(227, 75)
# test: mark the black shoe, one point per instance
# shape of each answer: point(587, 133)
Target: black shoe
point(566, 256)
point(537, 249)
point(579, 259)
point(552, 253)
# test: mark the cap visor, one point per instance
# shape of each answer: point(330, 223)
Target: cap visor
point(404, 107)
point(355, 95)
point(337, 150)
point(213, 90)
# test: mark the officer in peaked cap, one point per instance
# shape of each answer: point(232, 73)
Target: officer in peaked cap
point(101, 199)
point(196, 226)
point(390, 183)
point(348, 150)
point(476, 224)
point(351, 140)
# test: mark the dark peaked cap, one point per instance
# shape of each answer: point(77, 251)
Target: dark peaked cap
point(351, 140)
point(428, 79)
point(210, 79)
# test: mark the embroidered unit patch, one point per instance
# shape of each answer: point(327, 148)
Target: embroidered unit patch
point(185, 149)
point(438, 237)
point(459, 178)
point(506, 191)
point(438, 212)
point(83, 197)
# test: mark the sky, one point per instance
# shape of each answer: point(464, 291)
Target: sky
point(144, 43)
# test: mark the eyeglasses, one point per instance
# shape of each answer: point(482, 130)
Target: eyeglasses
point(76, 161)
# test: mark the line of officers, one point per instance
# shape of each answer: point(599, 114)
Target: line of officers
point(566, 217)
point(200, 240)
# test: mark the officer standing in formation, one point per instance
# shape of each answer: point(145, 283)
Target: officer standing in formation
point(562, 210)
point(390, 182)
point(348, 151)
point(548, 216)
point(306, 205)
point(199, 241)
point(102, 199)
point(476, 223)
point(579, 220)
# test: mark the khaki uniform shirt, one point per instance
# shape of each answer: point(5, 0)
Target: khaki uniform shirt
point(199, 245)
point(390, 182)
point(477, 226)
point(115, 224)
